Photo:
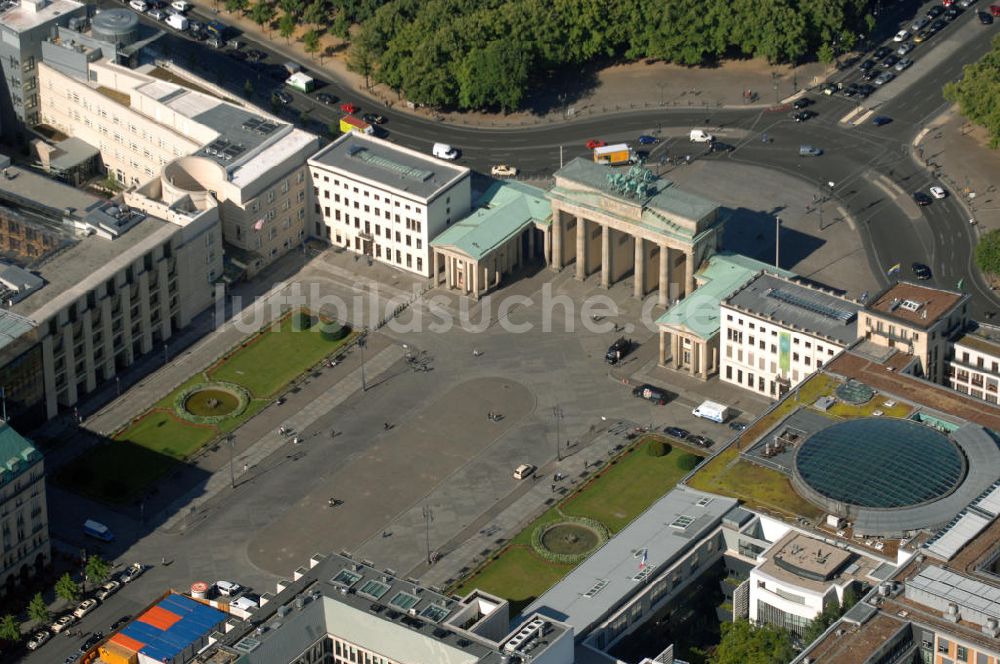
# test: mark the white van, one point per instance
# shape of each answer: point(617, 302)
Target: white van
point(181, 5)
point(444, 151)
point(711, 410)
point(523, 471)
point(138, 5)
point(228, 588)
point(178, 22)
point(701, 136)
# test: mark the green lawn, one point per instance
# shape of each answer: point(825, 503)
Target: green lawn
point(615, 496)
point(164, 433)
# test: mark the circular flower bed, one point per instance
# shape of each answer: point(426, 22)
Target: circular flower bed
point(568, 540)
point(208, 403)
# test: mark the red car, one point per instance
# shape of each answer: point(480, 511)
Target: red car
point(595, 143)
point(349, 108)
point(995, 10)
point(947, 3)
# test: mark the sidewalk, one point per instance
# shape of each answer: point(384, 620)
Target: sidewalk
point(619, 88)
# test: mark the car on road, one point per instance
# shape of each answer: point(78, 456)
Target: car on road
point(936, 11)
point(138, 5)
point(984, 18)
point(281, 97)
point(829, 89)
point(158, 14)
point(938, 192)
point(903, 64)
point(867, 64)
point(881, 52)
point(107, 590)
point(325, 98)
point(349, 108)
point(62, 623)
point(869, 75)
point(373, 118)
point(809, 151)
point(254, 56)
point(85, 607)
point(738, 426)
point(228, 588)
point(921, 271)
point(901, 36)
point(890, 61)
point(37, 639)
point(905, 48)
point(595, 143)
point(965, 4)
point(657, 395)
point(677, 432)
point(951, 13)
point(72, 657)
point(995, 10)
point(132, 572)
point(919, 24)
point(922, 199)
point(938, 25)
point(883, 78)
point(922, 36)
point(91, 641)
point(523, 471)
point(700, 441)
point(802, 116)
point(719, 146)
point(849, 90)
point(503, 171)
point(618, 350)
point(880, 120)
point(865, 89)
point(802, 102)
point(120, 622)
point(237, 55)
point(646, 139)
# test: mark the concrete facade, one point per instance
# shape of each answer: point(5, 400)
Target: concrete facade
point(384, 201)
point(974, 363)
point(23, 511)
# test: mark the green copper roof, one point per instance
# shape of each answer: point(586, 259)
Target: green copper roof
point(16, 453)
point(503, 211)
point(667, 197)
point(699, 311)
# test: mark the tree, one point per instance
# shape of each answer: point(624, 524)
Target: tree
point(341, 27)
point(262, 13)
point(286, 26)
point(742, 643)
point(825, 53)
point(38, 610)
point(988, 253)
point(236, 6)
point(315, 13)
point(97, 569)
point(310, 41)
point(10, 630)
point(978, 92)
point(360, 60)
point(67, 588)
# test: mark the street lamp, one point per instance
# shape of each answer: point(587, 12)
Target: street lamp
point(557, 413)
point(362, 342)
point(428, 517)
point(231, 439)
point(777, 241)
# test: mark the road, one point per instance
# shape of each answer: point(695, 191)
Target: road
point(873, 169)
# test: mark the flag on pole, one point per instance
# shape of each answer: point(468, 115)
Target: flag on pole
point(259, 225)
point(961, 284)
point(642, 561)
point(895, 269)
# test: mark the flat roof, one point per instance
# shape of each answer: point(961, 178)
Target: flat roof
point(45, 192)
point(21, 17)
point(725, 272)
point(610, 577)
point(503, 210)
point(918, 305)
point(240, 132)
point(984, 338)
point(390, 166)
point(800, 307)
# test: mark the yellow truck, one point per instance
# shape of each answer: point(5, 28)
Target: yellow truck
point(351, 123)
point(614, 155)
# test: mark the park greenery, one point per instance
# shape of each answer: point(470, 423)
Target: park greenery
point(742, 643)
point(489, 54)
point(977, 94)
point(988, 251)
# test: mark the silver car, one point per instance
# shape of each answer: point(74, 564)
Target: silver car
point(919, 24)
point(883, 78)
point(903, 64)
point(905, 48)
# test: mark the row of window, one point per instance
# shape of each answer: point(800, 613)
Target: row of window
point(411, 224)
point(760, 384)
point(347, 186)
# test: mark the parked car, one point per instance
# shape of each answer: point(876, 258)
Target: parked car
point(919, 24)
point(595, 143)
point(107, 590)
point(255, 56)
point(903, 64)
point(120, 622)
point(138, 5)
point(905, 48)
point(809, 151)
point(502, 171)
point(349, 108)
point(523, 471)
point(922, 36)
point(867, 64)
point(281, 97)
point(700, 441)
point(91, 641)
point(646, 139)
point(938, 192)
point(965, 4)
point(37, 639)
point(994, 10)
point(802, 102)
point(85, 607)
point(719, 146)
point(228, 588)
point(62, 622)
point(938, 25)
point(865, 89)
point(72, 657)
point(890, 61)
point(883, 78)
point(921, 271)
point(880, 120)
point(901, 36)
point(936, 11)
point(618, 350)
point(922, 199)
point(373, 118)
point(802, 116)
point(657, 395)
point(881, 52)
point(132, 572)
point(951, 13)
point(677, 432)
point(158, 14)
point(984, 18)
point(738, 426)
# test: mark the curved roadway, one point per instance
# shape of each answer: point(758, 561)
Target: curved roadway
point(873, 169)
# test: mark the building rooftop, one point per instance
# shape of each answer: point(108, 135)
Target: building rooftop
point(17, 453)
point(386, 165)
point(801, 307)
point(27, 14)
point(240, 132)
point(503, 210)
point(984, 338)
point(610, 576)
point(71, 153)
point(813, 564)
point(699, 312)
point(858, 643)
point(918, 305)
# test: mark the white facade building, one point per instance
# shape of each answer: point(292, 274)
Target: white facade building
point(25, 547)
point(775, 331)
point(974, 363)
point(384, 201)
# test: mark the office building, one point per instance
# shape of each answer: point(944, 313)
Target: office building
point(155, 124)
point(384, 201)
point(775, 331)
point(974, 362)
point(23, 512)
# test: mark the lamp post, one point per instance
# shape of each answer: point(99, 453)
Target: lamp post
point(557, 413)
point(231, 439)
point(428, 517)
point(777, 241)
point(362, 342)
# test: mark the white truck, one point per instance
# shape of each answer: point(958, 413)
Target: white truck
point(701, 136)
point(710, 410)
point(178, 22)
point(444, 151)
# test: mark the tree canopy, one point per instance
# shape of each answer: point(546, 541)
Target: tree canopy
point(978, 93)
point(742, 643)
point(988, 253)
point(474, 54)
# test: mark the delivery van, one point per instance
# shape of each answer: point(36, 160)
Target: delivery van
point(444, 151)
point(701, 136)
point(711, 410)
point(97, 530)
point(177, 22)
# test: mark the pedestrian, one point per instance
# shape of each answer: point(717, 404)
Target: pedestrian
point(386, 426)
point(246, 468)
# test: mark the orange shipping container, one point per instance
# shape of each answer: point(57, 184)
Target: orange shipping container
point(112, 653)
point(159, 618)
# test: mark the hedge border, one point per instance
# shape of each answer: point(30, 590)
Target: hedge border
point(242, 395)
point(603, 534)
